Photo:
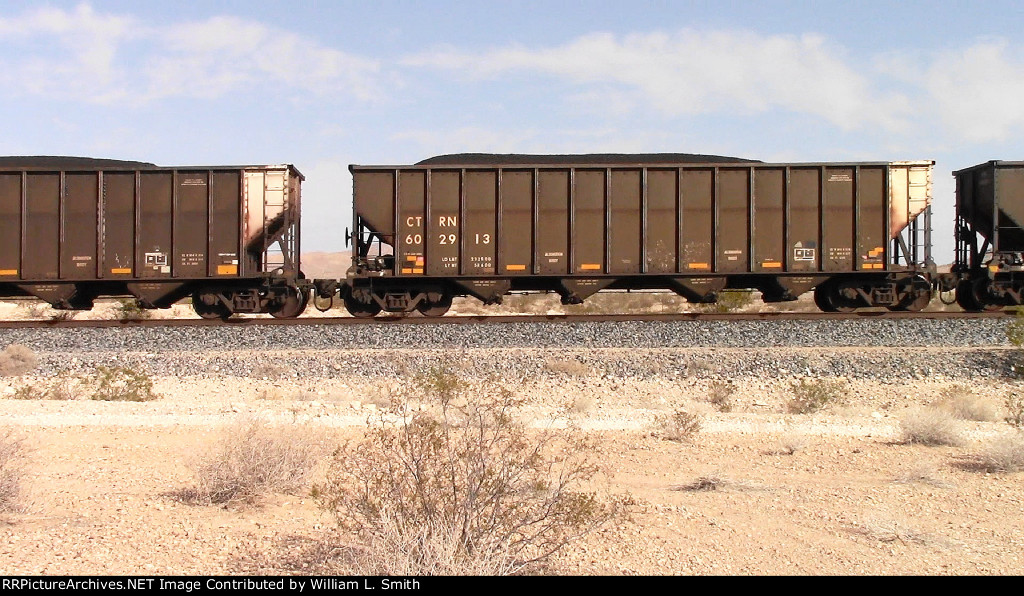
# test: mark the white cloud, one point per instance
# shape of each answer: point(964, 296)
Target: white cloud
point(977, 91)
point(83, 55)
point(694, 72)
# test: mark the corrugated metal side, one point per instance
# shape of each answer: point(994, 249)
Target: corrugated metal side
point(630, 220)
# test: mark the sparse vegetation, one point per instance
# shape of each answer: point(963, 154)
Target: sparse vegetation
point(16, 359)
point(269, 371)
point(129, 309)
point(1015, 409)
point(812, 395)
point(254, 459)
point(888, 530)
point(730, 301)
point(583, 405)
point(720, 395)
point(571, 367)
point(680, 426)
point(467, 489)
point(717, 482)
point(12, 453)
point(1004, 454)
point(790, 444)
point(930, 426)
point(122, 383)
point(921, 474)
point(107, 383)
point(63, 387)
point(962, 403)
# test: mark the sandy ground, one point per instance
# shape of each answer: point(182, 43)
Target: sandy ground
point(836, 492)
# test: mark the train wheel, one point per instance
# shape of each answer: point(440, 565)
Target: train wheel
point(359, 309)
point(435, 309)
point(973, 296)
point(217, 310)
point(821, 298)
point(918, 297)
point(292, 305)
point(828, 299)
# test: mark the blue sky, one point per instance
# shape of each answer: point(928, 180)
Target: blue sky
point(326, 84)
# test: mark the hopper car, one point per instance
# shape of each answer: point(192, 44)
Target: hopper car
point(72, 230)
point(855, 234)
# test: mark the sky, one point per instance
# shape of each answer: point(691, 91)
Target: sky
point(326, 84)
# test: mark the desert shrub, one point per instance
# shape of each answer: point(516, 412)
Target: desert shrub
point(962, 403)
point(1004, 454)
point(812, 395)
point(12, 453)
point(730, 301)
point(254, 459)
point(681, 425)
point(583, 405)
point(269, 370)
point(121, 383)
point(572, 368)
point(63, 387)
point(720, 395)
point(930, 426)
point(129, 309)
point(1015, 409)
point(465, 489)
point(17, 359)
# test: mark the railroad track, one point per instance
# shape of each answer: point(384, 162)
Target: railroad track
point(479, 319)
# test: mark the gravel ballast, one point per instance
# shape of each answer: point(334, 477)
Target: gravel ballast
point(627, 334)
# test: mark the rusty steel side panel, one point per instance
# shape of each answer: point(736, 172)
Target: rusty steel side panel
point(225, 224)
point(155, 227)
point(990, 198)
point(374, 198)
point(515, 234)
point(78, 248)
point(697, 220)
point(41, 258)
point(838, 219)
point(1010, 199)
point(412, 193)
point(552, 223)
point(733, 220)
point(624, 233)
point(662, 202)
point(769, 226)
point(442, 229)
point(10, 226)
point(588, 209)
point(872, 207)
point(804, 229)
point(118, 253)
point(191, 224)
point(479, 223)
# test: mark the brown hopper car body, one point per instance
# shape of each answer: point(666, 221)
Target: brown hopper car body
point(430, 231)
point(73, 230)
